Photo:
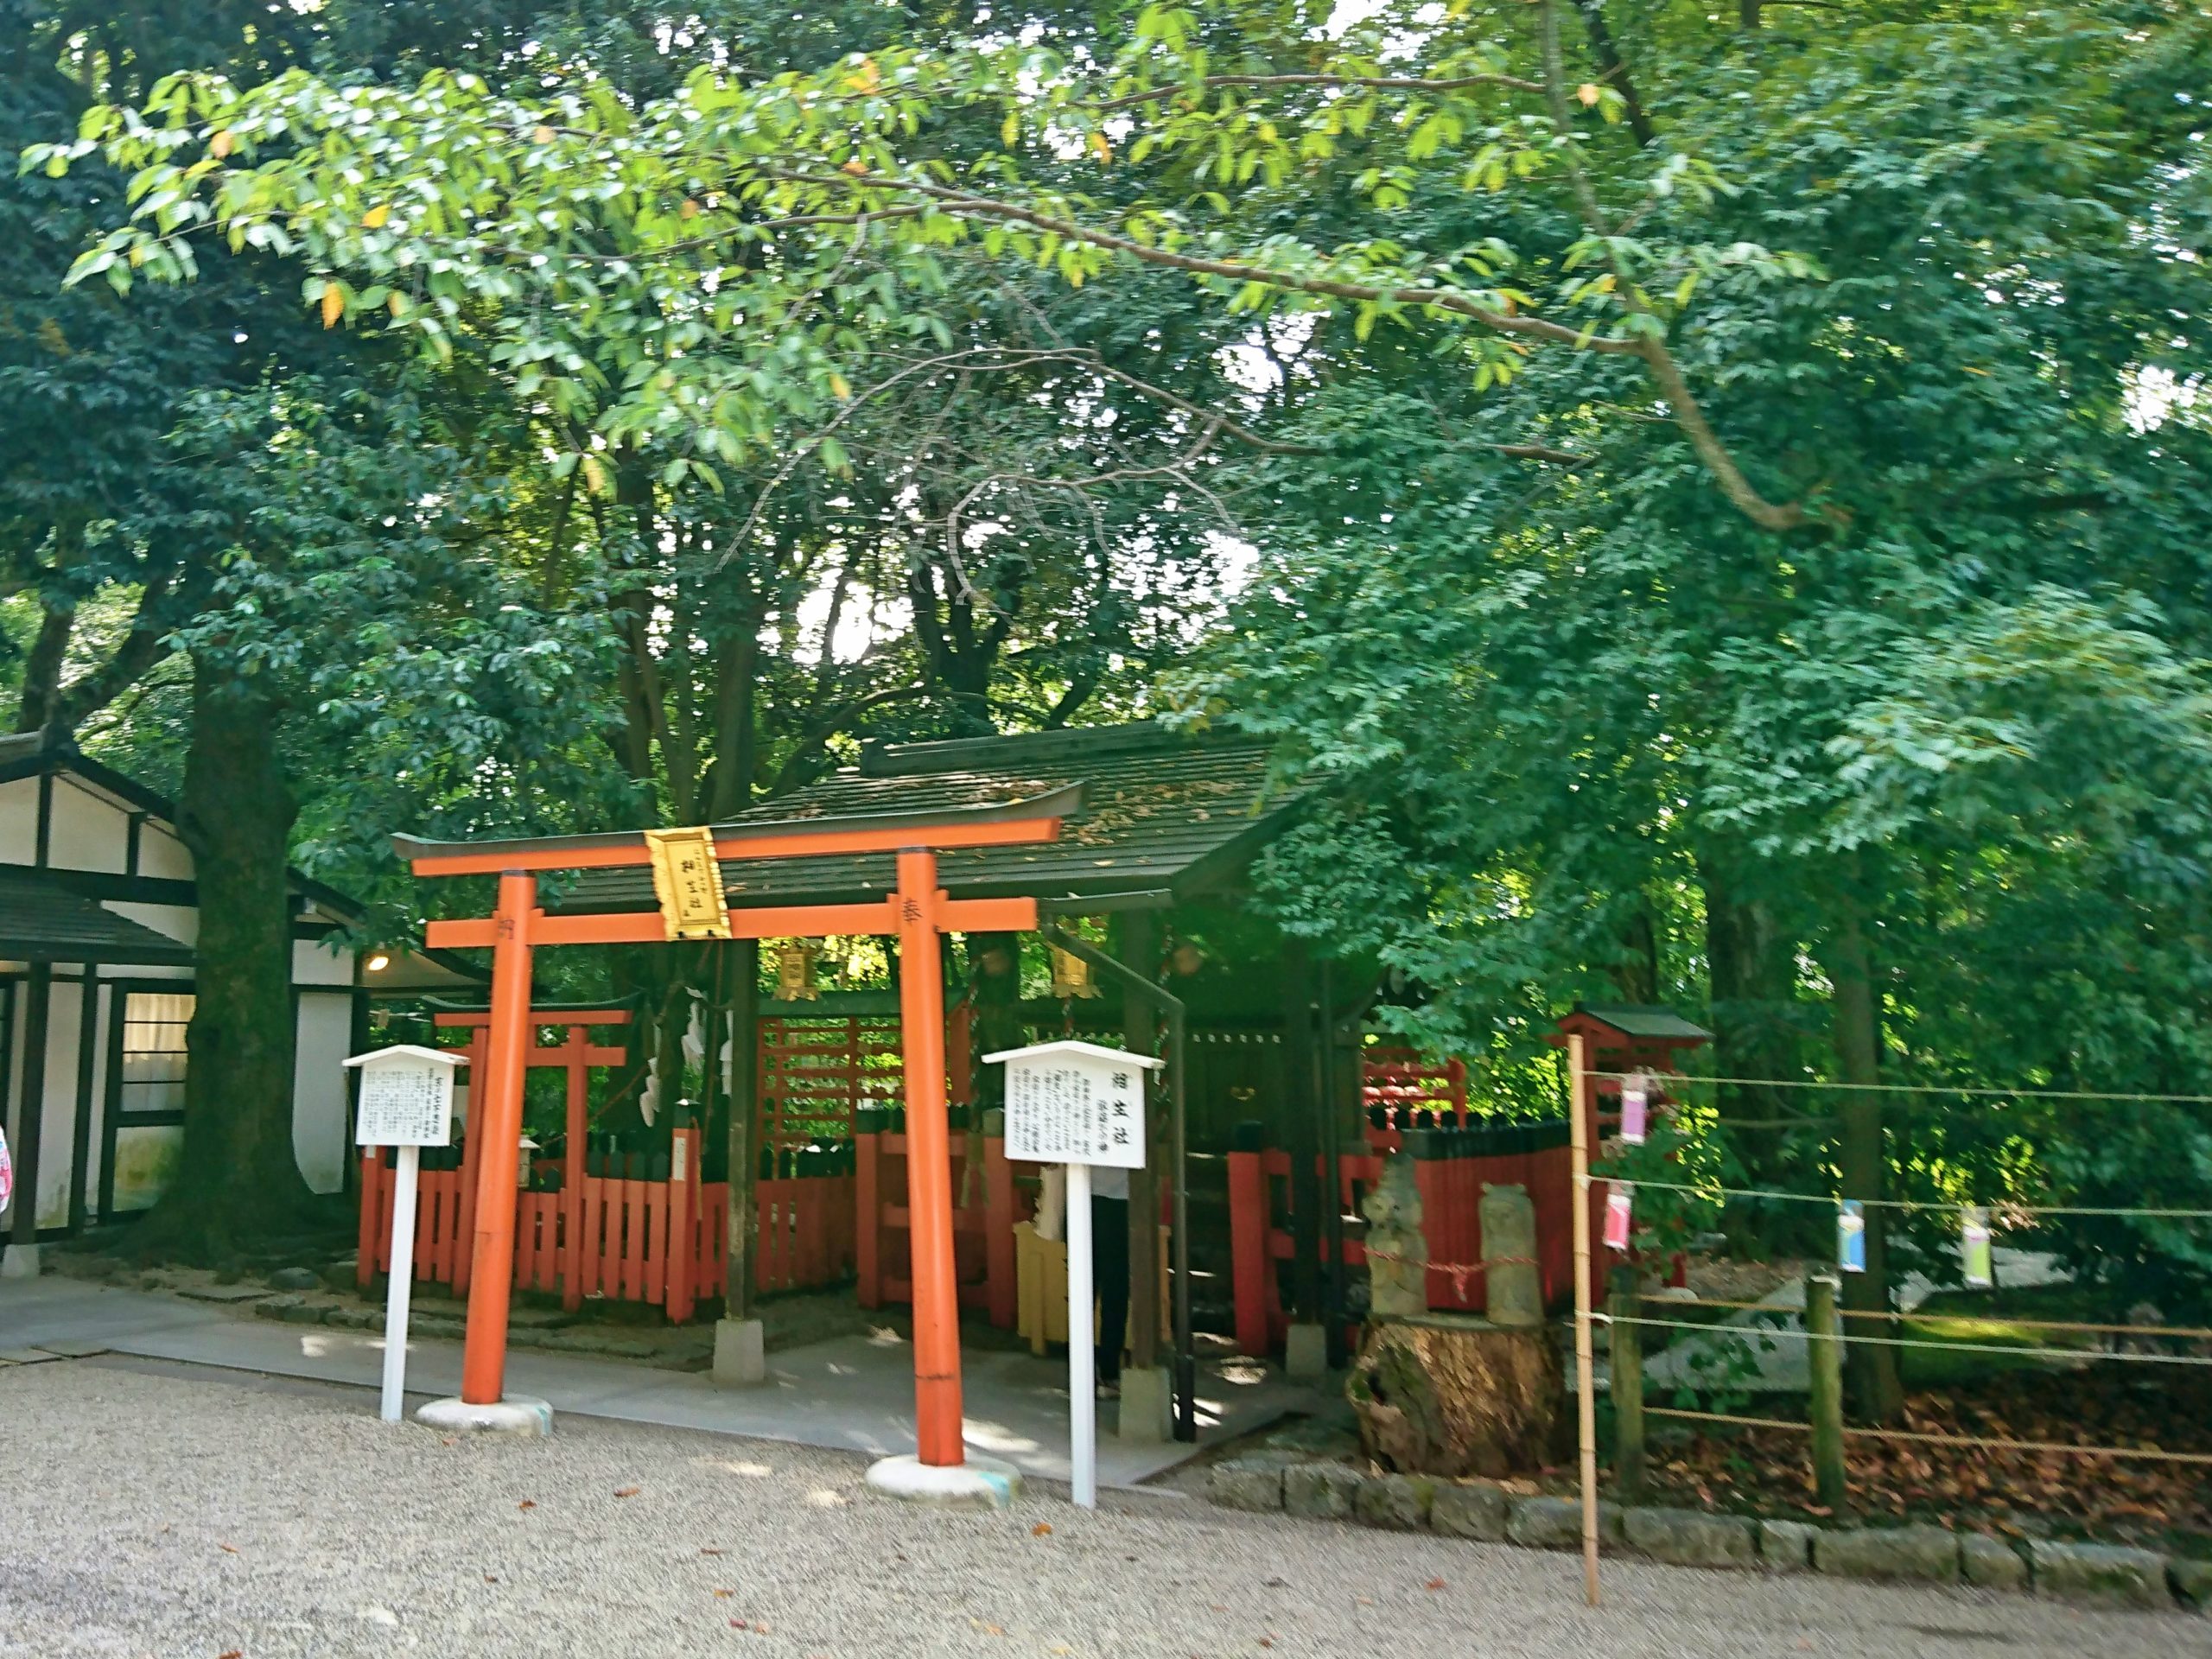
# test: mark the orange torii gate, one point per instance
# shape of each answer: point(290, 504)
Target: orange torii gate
point(917, 912)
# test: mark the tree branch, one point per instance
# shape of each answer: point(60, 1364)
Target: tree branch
point(1441, 299)
point(1365, 83)
point(1673, 384)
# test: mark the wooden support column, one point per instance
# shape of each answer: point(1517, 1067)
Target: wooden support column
point(1299, 1118)
point(460, 1262)
point(30, 1117)
point(929, 1163)
point(1136, 942)
point(80, 1159)
point(578, 1134)
point(496, 1128)
point(742, 1226)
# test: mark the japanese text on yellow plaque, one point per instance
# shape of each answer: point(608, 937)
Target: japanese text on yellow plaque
point(688, 881)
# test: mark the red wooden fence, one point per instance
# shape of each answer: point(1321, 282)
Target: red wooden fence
point(660, 1242)
point(982, 1228)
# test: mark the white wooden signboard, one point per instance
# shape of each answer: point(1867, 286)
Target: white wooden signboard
point(406, 1098)
point(1081, 1105)
point(406, 1101)
point(1074, 1102)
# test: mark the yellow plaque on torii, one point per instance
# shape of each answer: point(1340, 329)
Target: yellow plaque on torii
point(688, 881)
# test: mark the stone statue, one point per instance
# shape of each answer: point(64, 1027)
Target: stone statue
point(1397, 1250)
point(1513, 1290)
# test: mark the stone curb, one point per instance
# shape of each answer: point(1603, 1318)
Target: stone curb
point(2092, 1574)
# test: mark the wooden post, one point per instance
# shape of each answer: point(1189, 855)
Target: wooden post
point(496, 1131)
point(1627, 1307)
point(1300, 1110)
point(373, 1203)
point(1585, 1402)
point(1249, 1225)
point(1824, 1355)
point(1136, 942)
point(459, 1264)
point(868, 1216)
point(998, 1228)
point(741, 1222)
point(683, 1247)
point(572, 1171)
point(929, 1164)
point(30, 1121)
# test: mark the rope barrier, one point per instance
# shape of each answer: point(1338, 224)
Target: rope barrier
point(1460, 1271)
point(1983, 1442)
point(1710, 1194)
point(1669, 1078)
point(2053, 1354)
point(2181, 1333)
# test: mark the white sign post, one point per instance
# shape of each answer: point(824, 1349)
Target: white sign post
point(406, 1102)
point(1080, 1105)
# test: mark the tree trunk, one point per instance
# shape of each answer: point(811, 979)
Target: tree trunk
point(1864, 1160)
point(1635, 971)
point(1751, 965)
point(237, 1178)
point(1447, 1394)
point(42, 664)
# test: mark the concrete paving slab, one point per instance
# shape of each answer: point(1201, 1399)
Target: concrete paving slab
point(854, 1393)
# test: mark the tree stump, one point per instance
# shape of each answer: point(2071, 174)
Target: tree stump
point(1453, 1394)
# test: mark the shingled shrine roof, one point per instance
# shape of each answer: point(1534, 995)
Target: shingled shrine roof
point(1162, 815)
point(41, 921)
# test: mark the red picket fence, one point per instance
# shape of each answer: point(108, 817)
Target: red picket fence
point(660, 1242)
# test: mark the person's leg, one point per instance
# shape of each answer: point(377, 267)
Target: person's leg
point(1109, 1235)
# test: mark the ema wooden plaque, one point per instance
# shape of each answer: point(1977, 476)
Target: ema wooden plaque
point(688, 881)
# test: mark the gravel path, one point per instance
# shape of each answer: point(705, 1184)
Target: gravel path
point(146, 1511)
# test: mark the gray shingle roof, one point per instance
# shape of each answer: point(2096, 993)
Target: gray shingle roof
point(39, 921)
point(1160, 814)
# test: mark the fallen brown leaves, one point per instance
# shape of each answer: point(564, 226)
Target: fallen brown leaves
point(2000, 1488)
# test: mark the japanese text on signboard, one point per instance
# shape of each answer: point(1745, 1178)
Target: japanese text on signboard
point(1062, 1111)
point(405, 1105)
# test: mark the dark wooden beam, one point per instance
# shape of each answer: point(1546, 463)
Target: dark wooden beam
point(743, 968)
point(1301, 1112)
point(1136, 942)
point(30, 1121)
point(88, 1020)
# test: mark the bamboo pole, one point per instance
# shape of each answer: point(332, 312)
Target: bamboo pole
point(1627, 1348)
point(1585, 1403)
point(1824, 1328)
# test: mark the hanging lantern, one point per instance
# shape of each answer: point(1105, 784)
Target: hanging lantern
point(795, 960)
point(1071, 975)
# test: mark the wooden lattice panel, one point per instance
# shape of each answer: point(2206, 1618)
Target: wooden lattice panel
point(816, 1074)
point(1402, 1082)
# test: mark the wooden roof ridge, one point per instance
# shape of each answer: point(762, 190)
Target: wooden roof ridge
point(1069, 745)
point(1163, 817)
